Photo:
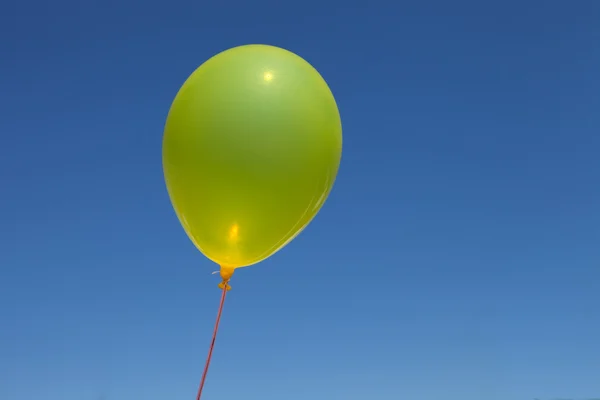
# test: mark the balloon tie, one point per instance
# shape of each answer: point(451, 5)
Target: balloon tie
point(226, 274)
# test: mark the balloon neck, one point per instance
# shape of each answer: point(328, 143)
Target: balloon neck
point(226, 274)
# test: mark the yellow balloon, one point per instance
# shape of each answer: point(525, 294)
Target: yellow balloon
point(251, 149)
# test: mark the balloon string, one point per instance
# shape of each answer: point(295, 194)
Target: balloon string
point(212, 343)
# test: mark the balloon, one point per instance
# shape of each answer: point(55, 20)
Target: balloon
point(251, 149)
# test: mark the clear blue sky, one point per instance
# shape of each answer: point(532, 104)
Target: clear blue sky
point(457, 257)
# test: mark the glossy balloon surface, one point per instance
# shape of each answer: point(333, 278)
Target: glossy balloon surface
point(251, 149)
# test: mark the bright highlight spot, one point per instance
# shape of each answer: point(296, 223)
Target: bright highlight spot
point(233, 232)
point(268, 76)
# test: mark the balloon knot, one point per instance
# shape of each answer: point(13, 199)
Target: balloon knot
point(226, 274)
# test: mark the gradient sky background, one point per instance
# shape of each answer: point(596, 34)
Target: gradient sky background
point(457, 257)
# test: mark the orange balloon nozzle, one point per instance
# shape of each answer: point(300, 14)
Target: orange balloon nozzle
point(226, 274)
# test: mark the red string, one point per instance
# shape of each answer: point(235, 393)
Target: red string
point(212, 344)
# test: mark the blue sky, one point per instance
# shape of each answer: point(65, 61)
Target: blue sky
point(457, 257)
